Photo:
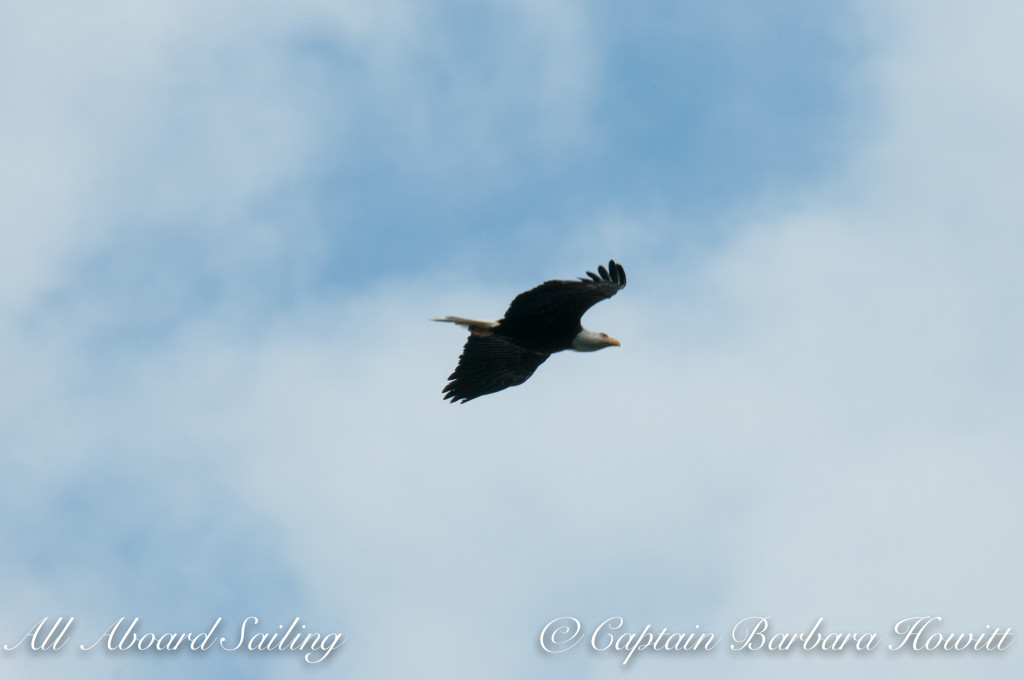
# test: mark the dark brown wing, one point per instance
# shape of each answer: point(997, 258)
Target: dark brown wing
point(551, 312)
point(490, 364)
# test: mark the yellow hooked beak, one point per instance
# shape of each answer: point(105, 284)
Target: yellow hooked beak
point(613, 341)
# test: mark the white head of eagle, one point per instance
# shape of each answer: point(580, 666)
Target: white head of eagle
point(538, 323)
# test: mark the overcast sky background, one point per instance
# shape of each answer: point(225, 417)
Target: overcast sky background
point(225, 227)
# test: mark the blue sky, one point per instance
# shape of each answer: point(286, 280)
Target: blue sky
point(225, 230)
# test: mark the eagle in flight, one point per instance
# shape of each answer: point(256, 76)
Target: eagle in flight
point(538, 323)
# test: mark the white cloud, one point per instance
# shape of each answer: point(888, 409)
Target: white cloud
point(207, 131)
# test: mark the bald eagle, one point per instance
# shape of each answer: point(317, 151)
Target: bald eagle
point(538, 323)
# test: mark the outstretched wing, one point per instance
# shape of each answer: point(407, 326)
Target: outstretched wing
point(561, 304)
point(490, 364)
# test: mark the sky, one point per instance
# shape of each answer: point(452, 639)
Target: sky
point(227, 225)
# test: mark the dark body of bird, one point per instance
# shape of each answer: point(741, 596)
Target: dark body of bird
point(538, 323)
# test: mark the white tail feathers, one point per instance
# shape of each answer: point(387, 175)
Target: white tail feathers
point(475, 326)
